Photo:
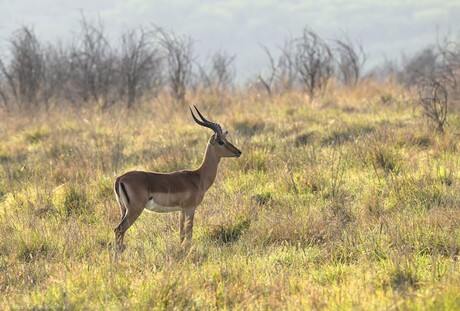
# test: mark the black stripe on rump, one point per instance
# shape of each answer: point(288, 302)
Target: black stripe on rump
point(123, 188)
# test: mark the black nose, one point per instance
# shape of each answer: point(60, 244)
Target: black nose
point(238, 154)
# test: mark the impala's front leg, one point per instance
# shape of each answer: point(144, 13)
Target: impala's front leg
point(186, 224)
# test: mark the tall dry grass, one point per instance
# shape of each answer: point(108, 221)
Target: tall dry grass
point(347, 202)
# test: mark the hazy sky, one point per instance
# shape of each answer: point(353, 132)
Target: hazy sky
point(385, 28)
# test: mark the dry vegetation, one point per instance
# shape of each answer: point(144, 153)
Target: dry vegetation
point(348, 202)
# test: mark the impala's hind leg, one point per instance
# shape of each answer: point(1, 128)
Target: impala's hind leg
point(119, 237)
point(129, 218)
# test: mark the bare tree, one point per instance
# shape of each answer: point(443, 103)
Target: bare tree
point(3, 94)
point(313, 61)
point(282, 73)
point(217, 74)
point(140, 64)
point(93, 64)
point(434, 67)
point(179, 62)
point(25, 71)
point(350, 61)
point(268, 80)
point(449, 50)
point(5, 85)
point(57, 73)
point(424, 65)
point(434, 101)
point(203, 77)
point(287, 73)
point(222, 71)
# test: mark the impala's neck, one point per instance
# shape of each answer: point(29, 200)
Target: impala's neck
point(208, 168)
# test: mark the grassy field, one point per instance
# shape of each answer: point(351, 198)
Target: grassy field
point(348, 202)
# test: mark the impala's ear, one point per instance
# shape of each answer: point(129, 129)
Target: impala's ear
point(213, 139)
point(225, 133)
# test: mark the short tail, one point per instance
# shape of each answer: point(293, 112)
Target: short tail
point(120, 190)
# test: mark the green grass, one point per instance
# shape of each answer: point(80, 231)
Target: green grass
point(346, 203)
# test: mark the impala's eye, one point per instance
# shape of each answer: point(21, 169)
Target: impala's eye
point(221, 142)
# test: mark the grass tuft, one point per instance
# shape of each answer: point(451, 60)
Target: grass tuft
point(68, 199)
point(229, 233)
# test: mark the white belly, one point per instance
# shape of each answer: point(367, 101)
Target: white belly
point(154, 207)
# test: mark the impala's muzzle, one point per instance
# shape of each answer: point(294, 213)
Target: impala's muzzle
point(236, 152)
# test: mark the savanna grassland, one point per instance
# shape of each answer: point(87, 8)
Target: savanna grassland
point(348, 202)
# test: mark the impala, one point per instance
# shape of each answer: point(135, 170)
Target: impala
point(180, 191)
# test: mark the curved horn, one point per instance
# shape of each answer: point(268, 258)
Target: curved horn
point(213, 126)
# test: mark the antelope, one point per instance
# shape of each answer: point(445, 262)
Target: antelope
point(180, 191)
